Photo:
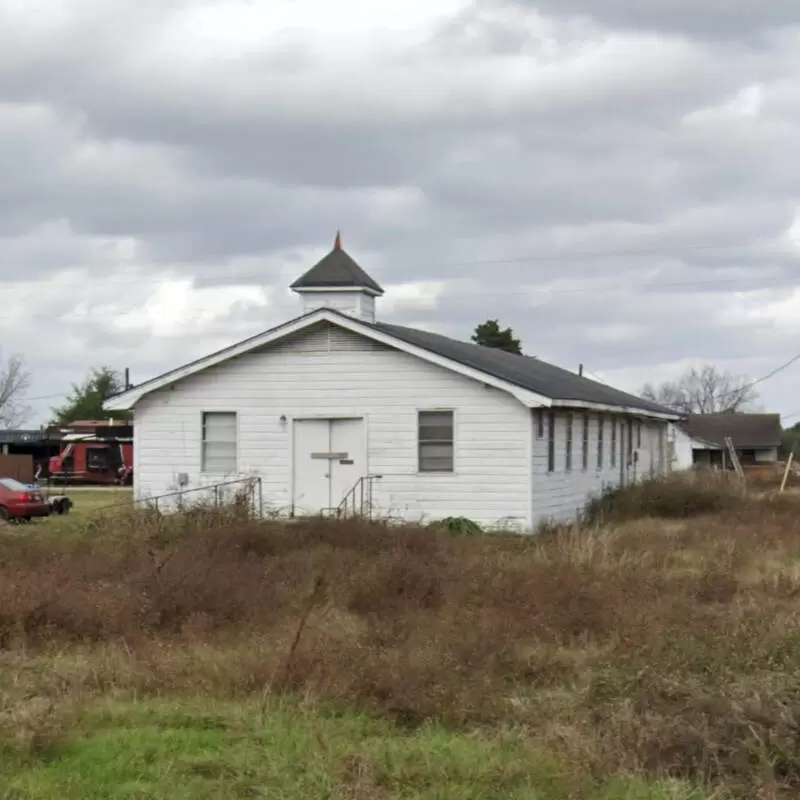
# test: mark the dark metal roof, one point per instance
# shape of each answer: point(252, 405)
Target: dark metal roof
point(747, 431)
point(523, 371)
point(336, 270)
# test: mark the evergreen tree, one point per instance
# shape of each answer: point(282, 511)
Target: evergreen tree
point(490, 334)
point(86, 400)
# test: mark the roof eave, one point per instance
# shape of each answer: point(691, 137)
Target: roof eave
point(303, 289)
point(127, 400)
point(667, 416)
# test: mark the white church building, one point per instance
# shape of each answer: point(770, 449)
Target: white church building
point(335, 406)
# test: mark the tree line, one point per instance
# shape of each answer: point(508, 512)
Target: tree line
point(699, 390)
point(85, 401)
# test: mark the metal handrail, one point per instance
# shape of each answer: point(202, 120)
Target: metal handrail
point(198, 489)
point(250, 482)
point(358, 491)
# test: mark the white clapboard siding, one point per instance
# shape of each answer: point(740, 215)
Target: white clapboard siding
point(329, 371)
point(560, 495)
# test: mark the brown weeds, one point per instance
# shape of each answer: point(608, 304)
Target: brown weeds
point(665, 648)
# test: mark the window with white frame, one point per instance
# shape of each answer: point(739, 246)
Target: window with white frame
point(551, 441)
point(601, 424)
point(585, 443)
point(613, 451)
point(219, 442)
point(568, 444)
point(539, 423)
point(435, 435)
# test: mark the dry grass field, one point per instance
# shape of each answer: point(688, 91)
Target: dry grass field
point(653, 654)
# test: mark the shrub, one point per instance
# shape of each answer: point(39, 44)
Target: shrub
point(673, 497)
point(462, 526)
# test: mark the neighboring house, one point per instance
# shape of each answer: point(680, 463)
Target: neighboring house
point(683, 446)
point(700, 439)
point(318, 403)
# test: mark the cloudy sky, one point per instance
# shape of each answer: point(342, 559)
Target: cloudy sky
point(617, 180)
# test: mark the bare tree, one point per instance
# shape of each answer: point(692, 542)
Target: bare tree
point(703, 391)
point(15, 380)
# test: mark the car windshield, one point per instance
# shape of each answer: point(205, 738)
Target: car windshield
point(13, 485)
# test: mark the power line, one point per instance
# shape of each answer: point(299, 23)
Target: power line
point(740, 390)
point(643, 288)
point(641, 251)
point(45, 397)
point(594, 375)
point(774, 372)
point(665, 249)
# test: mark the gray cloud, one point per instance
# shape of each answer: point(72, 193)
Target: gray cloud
point(714, 19)
point(602, 185)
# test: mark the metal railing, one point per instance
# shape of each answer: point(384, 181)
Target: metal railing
point(253, 487)
point(359, 499)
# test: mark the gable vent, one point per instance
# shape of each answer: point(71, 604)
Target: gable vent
point(328, 339)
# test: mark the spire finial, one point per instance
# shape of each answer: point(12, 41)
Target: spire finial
point(337, 242)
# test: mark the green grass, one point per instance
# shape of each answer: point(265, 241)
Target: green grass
point(204, 749)
point(88, 503)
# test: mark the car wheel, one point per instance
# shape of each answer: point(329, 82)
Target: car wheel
point(3, 515)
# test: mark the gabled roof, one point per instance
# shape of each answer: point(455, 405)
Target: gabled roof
point(747, 431)
point(698, 441)
point(337, 270)
point(532, 381)
point(530, 373)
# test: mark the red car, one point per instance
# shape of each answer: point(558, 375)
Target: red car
point(18, 502)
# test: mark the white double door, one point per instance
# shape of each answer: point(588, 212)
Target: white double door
point(329, 458)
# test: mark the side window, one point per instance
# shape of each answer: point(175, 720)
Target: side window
point(585, 443)
point(219, 442)
point(435, 441)
point(551, 441)
point(601, 424)
point(613, 453)
point(568, 443)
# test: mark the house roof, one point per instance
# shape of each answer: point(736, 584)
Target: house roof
point(699, 442)
point(533, 381)
point(529, 373)
point(747, 431)
point(337, 270)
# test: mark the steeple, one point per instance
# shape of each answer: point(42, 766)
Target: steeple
point(338, 282)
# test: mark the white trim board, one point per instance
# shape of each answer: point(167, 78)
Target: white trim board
point(129, 398)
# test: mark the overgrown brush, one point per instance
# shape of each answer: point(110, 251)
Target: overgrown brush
point(663, 648)
point(678, 496)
